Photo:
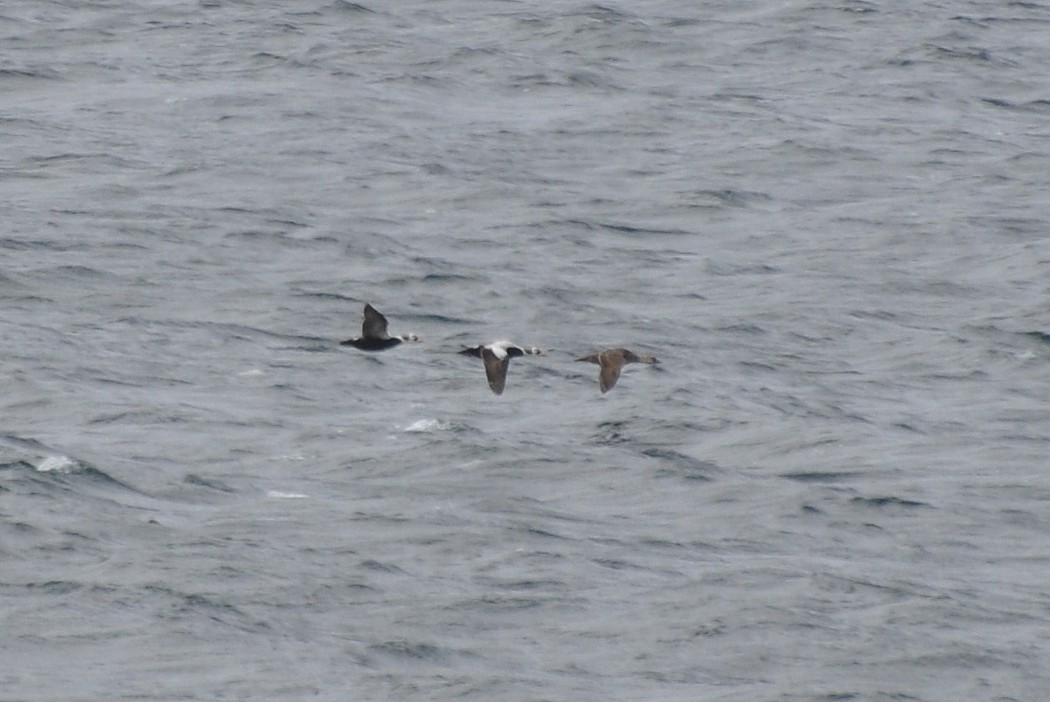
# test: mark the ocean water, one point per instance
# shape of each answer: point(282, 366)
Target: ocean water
point(827, 218)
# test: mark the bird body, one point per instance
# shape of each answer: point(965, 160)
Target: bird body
point(374, 336)
point(612, 362)
point(496, 357)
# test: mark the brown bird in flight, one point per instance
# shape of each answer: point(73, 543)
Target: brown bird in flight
point(612, 362)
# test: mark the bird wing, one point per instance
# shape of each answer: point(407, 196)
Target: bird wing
point(610, 372)
point(495, 370)
point(374, 326)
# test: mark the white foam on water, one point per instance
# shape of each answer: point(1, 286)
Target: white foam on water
point(282, 495)
point(426, 425)
point(56, 464)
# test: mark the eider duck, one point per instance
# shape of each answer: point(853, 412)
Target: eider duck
point(373, 333)
point(496, 357)
point(612, 362)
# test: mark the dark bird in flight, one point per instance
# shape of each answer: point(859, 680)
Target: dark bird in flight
point(496, 357)
point(373, 333)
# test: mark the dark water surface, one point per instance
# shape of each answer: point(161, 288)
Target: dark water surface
point(827, 219)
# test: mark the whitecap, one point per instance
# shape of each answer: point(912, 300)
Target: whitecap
point(56, 464)
point(282, 495)
point(424, 425)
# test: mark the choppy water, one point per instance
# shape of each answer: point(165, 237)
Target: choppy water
point(827, 218)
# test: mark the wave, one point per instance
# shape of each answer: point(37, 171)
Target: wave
point(38, 461)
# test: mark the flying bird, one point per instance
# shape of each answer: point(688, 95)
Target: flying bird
point(373, 333)
point(496, 357)
point(612, 362)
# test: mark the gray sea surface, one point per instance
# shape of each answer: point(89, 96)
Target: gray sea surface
point(827, 218)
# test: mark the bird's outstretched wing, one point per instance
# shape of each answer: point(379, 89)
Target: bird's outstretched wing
point(374, 326)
